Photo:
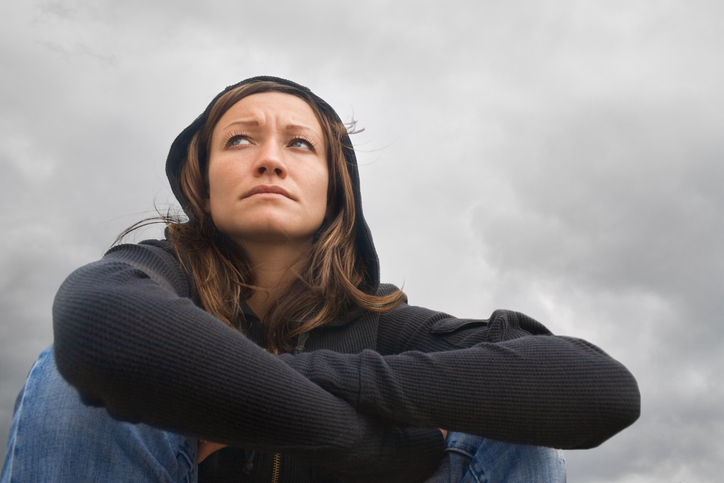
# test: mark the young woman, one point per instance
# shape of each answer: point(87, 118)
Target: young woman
point(258, 339)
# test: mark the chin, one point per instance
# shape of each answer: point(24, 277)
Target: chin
point(250, 236)
point(269, 229)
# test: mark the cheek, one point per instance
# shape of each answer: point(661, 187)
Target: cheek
point(223, 174)
point(218, 191)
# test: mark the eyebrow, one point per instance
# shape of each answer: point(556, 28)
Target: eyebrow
point(289, 127)
point(245, 123)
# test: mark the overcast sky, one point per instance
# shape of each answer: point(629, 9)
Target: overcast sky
point(560, 158)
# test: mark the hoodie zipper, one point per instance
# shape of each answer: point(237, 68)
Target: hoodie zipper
point(276, 467)
point(277, 464)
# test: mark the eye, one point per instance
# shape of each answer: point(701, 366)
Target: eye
point(238, 140)
point(302, 143)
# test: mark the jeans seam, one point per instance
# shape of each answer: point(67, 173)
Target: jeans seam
point(187, 457)
point(460, 451)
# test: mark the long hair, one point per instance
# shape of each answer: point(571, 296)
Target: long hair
point(328, 286)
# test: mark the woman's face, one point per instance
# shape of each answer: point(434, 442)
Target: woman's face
point(268, 171)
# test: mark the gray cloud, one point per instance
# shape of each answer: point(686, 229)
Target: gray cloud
point(562, 159)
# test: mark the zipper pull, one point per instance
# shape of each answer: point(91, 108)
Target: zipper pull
point(249, 462)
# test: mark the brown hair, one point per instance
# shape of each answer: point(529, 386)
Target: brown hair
point(329, 285)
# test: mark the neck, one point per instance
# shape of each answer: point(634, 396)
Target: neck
point(275, 267)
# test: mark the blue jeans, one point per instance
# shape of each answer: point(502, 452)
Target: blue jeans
point(473, 459)
point(54, 437)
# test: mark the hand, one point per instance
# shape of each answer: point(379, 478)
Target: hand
point(444, 433)
point(206, 448)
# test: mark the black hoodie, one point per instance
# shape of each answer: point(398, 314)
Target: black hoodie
point(361, 403)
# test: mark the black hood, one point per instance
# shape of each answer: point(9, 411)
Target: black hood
point(363, 238)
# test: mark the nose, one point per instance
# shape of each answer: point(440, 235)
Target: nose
point(270, 161)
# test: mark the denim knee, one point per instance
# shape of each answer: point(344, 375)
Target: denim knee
point(55, 437)
point(474, 459)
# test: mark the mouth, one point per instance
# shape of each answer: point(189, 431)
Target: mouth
point(267, 189)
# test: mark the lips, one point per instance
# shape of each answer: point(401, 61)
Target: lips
point(267, 189)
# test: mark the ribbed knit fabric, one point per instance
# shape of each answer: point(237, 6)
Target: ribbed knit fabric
point(362, 402)
point(129, 336)
point(538, 389)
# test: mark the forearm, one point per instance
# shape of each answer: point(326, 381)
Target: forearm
point(543, 390)
point(148, 355)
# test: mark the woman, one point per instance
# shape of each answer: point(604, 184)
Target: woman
point(261, 324)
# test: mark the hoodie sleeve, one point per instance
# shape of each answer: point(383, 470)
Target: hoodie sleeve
point(506, 378)
point(129, 338)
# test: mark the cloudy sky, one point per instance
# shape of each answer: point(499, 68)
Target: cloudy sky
point(560, 158)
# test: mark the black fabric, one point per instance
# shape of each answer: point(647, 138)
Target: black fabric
point(364, 396)
point(129, 336)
